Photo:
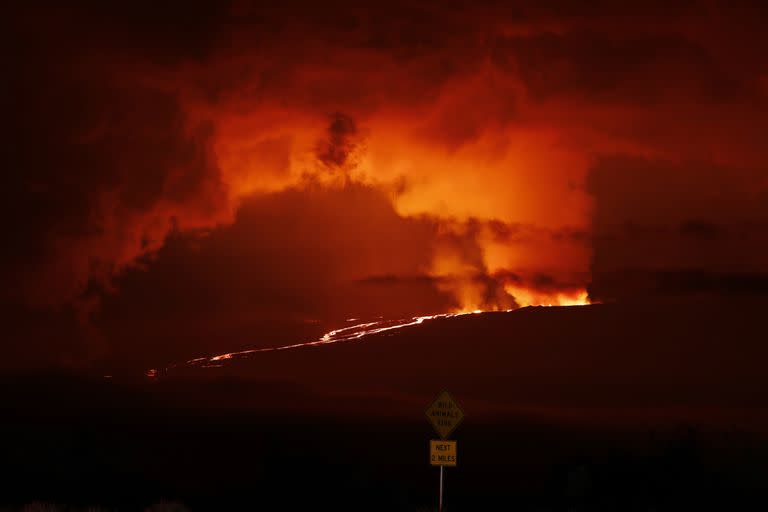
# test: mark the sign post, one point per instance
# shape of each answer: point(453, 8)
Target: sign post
point(440, 499)
point(445, 415)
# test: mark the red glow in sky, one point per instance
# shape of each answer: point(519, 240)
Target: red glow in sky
point(199, 180)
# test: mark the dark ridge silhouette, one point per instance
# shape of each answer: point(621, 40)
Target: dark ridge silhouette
point(607, 407)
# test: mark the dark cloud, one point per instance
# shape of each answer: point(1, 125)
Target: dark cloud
point(613, 67)
point(708, 282)
point(336, 150)
point(95, 198)
point(540, 283)
point(632, 284)
point(700, 229)
point(389, 279)
point(503, 231)
point(671, 228)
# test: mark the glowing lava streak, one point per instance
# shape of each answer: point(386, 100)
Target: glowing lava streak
point(353, 332)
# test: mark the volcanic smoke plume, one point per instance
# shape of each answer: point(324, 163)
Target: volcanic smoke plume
point(188, 175)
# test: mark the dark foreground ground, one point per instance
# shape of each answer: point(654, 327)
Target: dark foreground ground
point(602, 408)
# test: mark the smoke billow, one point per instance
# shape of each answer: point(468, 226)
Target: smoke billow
point(336, 150)
point(513, 150)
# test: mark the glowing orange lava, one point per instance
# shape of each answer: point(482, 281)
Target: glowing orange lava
point(358, 331)
point(526, 297)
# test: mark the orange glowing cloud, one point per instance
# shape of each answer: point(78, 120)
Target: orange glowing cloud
point(481, 125)
point(470, 153)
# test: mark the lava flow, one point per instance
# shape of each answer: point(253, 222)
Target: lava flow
point(353, 332)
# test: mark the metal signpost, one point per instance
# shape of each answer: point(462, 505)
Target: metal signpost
point(445, 415)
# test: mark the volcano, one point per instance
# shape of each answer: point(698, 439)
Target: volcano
point(673, 361)
point(653, 400)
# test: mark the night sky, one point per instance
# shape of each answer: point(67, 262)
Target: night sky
point(184, 180)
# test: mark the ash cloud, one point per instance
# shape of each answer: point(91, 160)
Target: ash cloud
point(336, 150)
point(542, 148)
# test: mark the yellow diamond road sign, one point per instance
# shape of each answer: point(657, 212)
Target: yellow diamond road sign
point(444, 414)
